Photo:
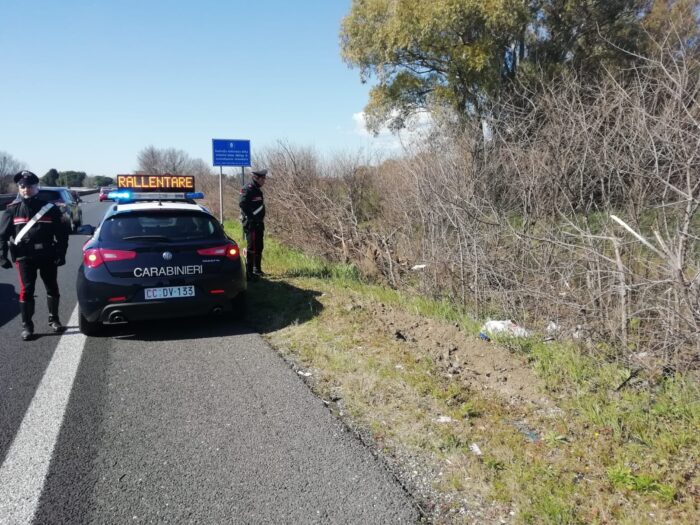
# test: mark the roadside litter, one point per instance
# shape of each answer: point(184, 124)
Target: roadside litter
point(507, 328)
point(552, 331)
point(475, 449)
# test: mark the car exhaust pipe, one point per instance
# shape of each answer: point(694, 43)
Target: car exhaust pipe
point(117, 318)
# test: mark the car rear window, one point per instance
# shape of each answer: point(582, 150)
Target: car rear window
point(162, 226)
point(50, 195)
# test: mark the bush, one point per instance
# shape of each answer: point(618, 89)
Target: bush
point(580, 207)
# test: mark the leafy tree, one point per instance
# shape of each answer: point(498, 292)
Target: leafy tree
point(676, 20)
point(99, 181)
point(451, 52)
point(71, 178)
point(586, 35)
point(462, 54)
point(50, 178)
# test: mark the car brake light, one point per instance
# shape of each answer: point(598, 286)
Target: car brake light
point(229, 251)
point(94, 257)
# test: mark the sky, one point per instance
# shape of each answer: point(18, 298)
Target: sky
point(87, 84)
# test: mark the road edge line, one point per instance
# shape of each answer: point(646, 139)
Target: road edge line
point(23, 473)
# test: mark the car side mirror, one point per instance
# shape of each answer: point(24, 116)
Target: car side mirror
point(86, 229)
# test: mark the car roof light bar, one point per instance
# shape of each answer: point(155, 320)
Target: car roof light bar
point(124, 196)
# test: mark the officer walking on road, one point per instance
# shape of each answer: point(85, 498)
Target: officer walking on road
point(253, 217)
point(36, 236)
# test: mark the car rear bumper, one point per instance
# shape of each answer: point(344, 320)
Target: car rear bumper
point(118, 313)
point(107, 299)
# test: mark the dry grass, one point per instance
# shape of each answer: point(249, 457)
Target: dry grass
point(571, 449)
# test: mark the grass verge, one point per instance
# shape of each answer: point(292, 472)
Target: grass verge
point(597, 453)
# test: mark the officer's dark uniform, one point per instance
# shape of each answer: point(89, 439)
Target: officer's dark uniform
point(253, 217)
point(41, 250)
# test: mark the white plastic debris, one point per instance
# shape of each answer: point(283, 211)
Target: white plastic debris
point(579, 333)
point(552, 328)
point(552, 331)
point(506, 327)
point(305, 374)
point(475, 449)
point(418, 266)
point(444, 419)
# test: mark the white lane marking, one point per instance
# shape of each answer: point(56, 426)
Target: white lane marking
point(24, 470)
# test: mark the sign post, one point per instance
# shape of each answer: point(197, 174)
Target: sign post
point(229, 152)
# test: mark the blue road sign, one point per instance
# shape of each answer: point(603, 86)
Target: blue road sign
point(228, 152)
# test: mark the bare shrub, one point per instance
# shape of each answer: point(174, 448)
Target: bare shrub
point(579, 206)
point(321, 207)
point(8, 167)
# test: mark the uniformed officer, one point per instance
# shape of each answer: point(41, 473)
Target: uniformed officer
point(36, 236)
point(253, 217)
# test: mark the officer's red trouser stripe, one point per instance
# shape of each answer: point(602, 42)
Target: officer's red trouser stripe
point(21, 284)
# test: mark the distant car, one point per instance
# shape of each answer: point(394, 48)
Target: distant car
point(158, 260)
point(104, 194)
point(66, 201)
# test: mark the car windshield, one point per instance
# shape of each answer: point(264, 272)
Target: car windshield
point(160, 227)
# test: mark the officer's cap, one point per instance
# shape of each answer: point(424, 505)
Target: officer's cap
point(25, 178)
point(260, 173)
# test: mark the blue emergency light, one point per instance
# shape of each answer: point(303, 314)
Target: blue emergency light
point(124, 196)
point(119, 195)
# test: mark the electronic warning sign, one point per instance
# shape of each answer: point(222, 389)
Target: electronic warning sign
point(146, 183)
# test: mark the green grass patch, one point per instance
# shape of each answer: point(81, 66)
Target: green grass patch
point(612, 454)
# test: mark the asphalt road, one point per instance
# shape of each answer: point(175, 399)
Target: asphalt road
point(194, 421)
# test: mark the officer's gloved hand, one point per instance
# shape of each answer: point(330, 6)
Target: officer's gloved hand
point(60, 260)
point(5, 263)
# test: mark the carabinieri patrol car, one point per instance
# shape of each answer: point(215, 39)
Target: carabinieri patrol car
point(157, 254)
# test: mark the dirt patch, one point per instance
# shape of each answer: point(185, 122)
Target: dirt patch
point(479, 365)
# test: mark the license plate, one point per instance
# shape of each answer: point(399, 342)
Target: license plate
point(169, 292)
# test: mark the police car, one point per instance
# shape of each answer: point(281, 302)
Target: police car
point(157, 254)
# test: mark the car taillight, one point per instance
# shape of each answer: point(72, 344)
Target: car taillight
point(230, 251)
point(93, 257)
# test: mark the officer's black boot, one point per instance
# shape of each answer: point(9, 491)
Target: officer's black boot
point(27, 312)
point(250, 273)
point(54, 323)
point(258, 267)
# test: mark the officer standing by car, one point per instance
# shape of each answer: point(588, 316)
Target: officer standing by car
point(36, 236)
point(253, 219)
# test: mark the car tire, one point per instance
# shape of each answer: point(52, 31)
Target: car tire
point(86, 327)
point(239, 306)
